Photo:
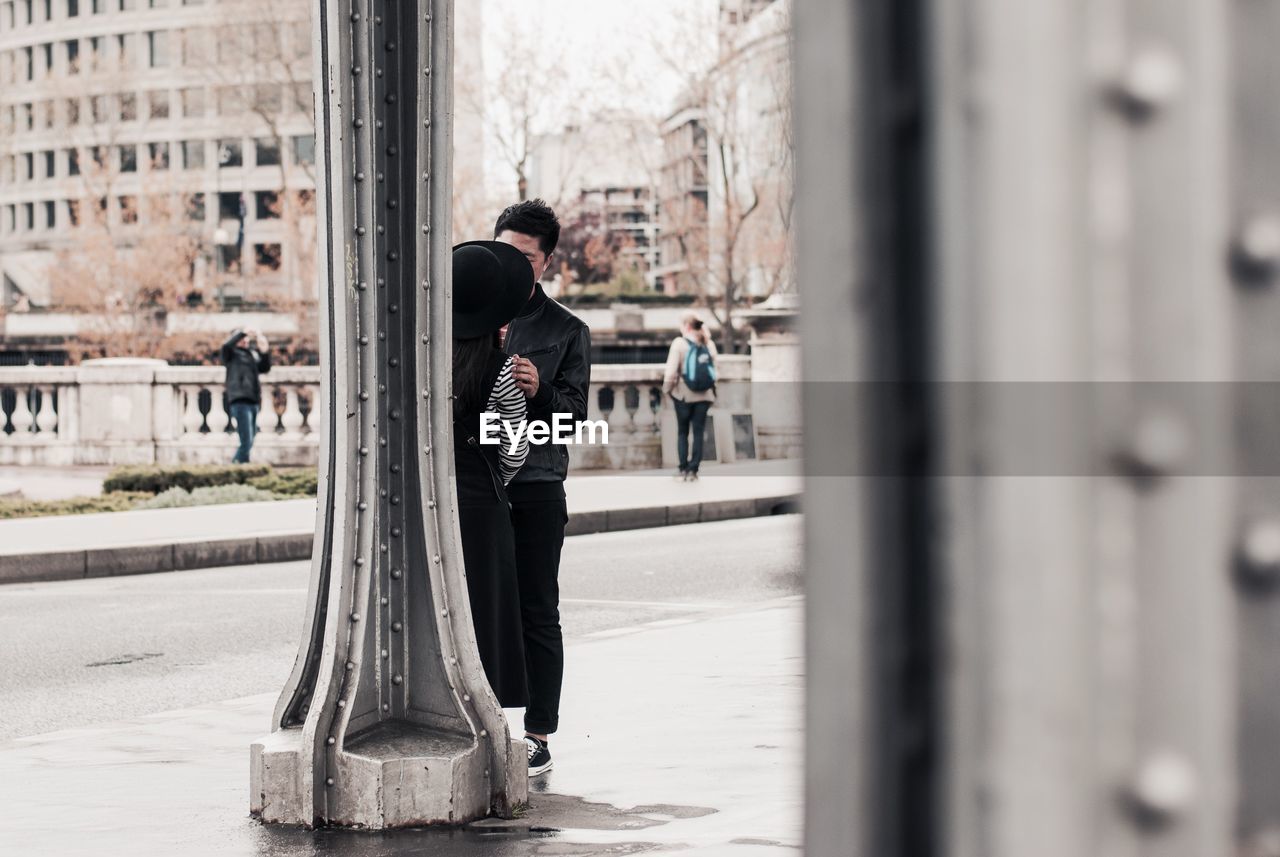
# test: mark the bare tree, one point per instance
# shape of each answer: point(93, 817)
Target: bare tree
point(741, 102)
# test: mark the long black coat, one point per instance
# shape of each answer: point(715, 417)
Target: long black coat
point(489, 553)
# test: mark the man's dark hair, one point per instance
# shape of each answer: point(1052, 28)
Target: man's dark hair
point(531, 217)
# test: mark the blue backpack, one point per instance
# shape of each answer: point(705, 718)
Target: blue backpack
point(699, 369)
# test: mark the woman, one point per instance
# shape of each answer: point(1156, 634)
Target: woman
point(491, 283)
point(690, 379)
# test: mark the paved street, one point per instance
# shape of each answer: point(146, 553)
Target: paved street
point(89, 651)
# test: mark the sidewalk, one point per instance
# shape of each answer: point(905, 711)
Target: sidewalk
point(103, 545)
point(682, 736)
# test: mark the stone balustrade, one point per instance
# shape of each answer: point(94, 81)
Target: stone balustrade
point(138, 411)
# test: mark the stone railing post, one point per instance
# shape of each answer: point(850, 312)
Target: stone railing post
point(117, 392)
point(387, 719)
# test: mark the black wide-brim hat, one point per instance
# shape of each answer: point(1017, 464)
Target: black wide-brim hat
point(492, 282)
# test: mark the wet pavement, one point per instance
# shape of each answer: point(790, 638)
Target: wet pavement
point(678, 736)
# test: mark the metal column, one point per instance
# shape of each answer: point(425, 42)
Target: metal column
point(387, 719)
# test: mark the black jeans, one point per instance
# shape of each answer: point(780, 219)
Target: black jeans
point(690, 415)
point(538, 515)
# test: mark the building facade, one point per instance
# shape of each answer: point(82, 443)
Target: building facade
point(139, 119)
point(727, 174)
point(180, 116)
point(609, 166)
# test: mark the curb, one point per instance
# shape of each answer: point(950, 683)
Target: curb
point(154, 557)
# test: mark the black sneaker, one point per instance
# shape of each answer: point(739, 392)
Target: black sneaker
point(539, 756)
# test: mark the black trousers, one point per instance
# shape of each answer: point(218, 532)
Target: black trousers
point(691, 418)
point(538, 515)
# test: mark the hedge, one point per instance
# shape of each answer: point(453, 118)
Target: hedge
point(119, 501)
point(208, 495)
point(288, 483)
point(154, 479)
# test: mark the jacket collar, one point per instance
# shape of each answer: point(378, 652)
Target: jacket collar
point(535, 302)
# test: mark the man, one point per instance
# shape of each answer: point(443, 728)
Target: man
point(245, 356)
point(552, 348)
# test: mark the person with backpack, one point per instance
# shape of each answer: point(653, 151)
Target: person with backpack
point(690, 380)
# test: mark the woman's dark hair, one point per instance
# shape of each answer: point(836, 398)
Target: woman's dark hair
point(470, 359)
point(531, 217)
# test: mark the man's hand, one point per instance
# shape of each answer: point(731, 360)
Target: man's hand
point(525, 375)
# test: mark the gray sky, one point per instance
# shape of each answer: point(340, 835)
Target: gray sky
point(599, 35)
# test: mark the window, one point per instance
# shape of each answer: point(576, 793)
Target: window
point(158, 104)
point(196, 49)
point(266, 205)
point(99, 6)
point(49, 111)
point(100, 108)
point(128, 209)
point(124, 49)
point(303, 99)
point(73, 111)
point(229, 206)
point(95, 51)
point(301, 39)
point(128, 107)
point(230, 153)
point(128, 159)
point(50, 215)
point(73, 162)
point(73, 56)
point(47, 50)
point(28, 4)
point(230, 101)
point(29, 166)
point(26, 116)
point(228, 257)
point(73, 8)
point(50, 166)
point(193, 2)
point(99, 156)
point(127, 5)
point(193, 154)
point(193, 102)
point(28, 216)
point(158, 49)
point(158, 4)
point(28, 64)
point(267, 98)
point(195, 207)
point(304, 149)
point(73, 212)
point(268, 152)
point(266, 257)
point(159, 155)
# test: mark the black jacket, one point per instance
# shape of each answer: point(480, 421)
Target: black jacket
point(559, 344)
point(243, 366)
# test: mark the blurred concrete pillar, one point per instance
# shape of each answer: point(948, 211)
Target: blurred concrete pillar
point(1005, 207)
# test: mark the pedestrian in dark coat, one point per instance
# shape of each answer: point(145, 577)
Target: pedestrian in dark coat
point(245, 356)
point(491, 282)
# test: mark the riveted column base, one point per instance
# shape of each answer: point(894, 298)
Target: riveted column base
point(396, 775)
point(275, 779)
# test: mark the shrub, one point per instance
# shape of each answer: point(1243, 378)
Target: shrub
point(288, 483)
point(119, 501)
point(155, 479)
point(209, 495)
